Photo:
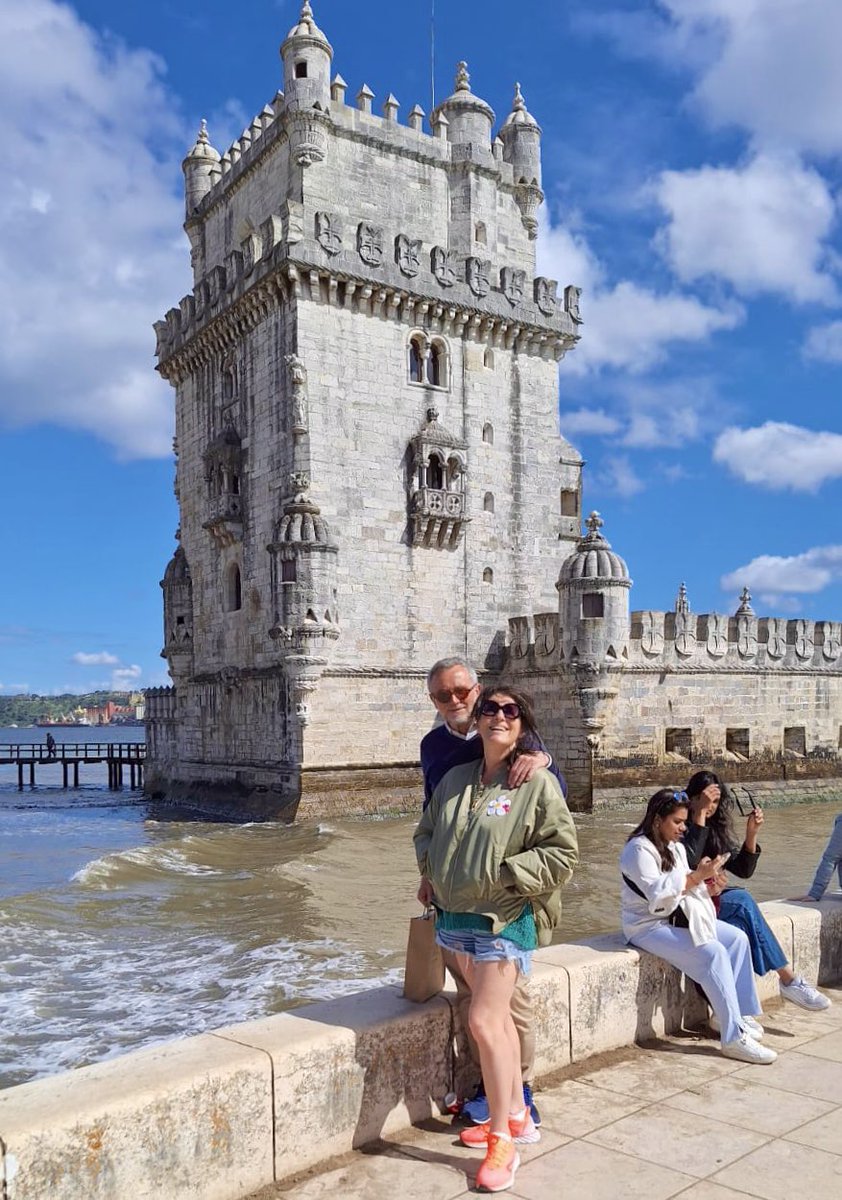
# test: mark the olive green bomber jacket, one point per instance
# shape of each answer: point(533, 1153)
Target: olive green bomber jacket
point(490, 849)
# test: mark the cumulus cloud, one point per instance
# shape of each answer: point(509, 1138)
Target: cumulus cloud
point(781, 456)
point(824, 343)
point(100, 658)
point(584, 421)
point(616, 474)
point(627, 327)
point(776, 575)
point(761, 226)
point(90, 226)
point(123, 676)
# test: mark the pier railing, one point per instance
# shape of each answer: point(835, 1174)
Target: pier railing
point(71, 755)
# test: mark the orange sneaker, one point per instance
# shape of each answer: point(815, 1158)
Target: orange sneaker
point(523, 1130)
point(499, 1165)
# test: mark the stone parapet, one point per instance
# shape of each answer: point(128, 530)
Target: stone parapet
point(217, 1117)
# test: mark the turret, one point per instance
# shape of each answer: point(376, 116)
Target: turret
point(521, 138)
point(469, 119)
point(593, 587)
point(306, 55)
point(201, 169)
point(178, 616)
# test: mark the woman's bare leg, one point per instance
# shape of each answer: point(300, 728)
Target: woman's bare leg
point(493, 1029)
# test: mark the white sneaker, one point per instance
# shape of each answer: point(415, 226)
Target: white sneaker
point(803, 995)
point(746, 1049)
point(752, 1027)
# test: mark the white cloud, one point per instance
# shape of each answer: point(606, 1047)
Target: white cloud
point(778, 455)
point(100, 658)
point(616, 474)
point(627, 327)
point(588, 421)
point(93, 251)
point(780, 604)
point(824, 343)
point(125, 675)
point(776, 575)
point(769, 66)
point(760, 226)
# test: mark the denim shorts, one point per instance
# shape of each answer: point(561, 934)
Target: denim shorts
point(485, 947)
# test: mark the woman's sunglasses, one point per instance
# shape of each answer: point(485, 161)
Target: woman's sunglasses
point(490, 708)
point(746, 805)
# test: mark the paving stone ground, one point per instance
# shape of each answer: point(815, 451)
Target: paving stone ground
point(673, 1118)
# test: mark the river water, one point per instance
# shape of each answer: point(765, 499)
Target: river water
point(120, 928)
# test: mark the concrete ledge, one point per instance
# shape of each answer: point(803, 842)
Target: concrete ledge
point(219, 1116)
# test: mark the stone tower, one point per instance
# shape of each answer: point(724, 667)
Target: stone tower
point(370, 474)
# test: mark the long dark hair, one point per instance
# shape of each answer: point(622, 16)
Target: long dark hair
point(721, 838)
point(529, 737)
point(664, 803)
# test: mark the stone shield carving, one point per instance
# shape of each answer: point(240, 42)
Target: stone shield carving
point(717, 642)
point(746, 636)
point(652, 635)
point(408, 255)
point(370, 244)
point(831, 640)
point(545, 295)
point(776, 644)
point(478, 275)
point(518, 637)
point(444, 265)
point(571, 303)
point(329, 232)
point(546, 633)
point(685, 633)
point(804, 639)
point(512, 283)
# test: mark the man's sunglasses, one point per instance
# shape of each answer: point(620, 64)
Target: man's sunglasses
point(490, 708)
point(445, 695)
point(747, 800)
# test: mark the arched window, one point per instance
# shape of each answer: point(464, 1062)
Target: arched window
point(454, 474)
point(233, 589)
point(416, 361)
point(488, 575)
point(435, 366)
point(435, 473)
point(488, 502)
point(488, 358)
point(235, 485)
point(480, 234)
point(488, 433)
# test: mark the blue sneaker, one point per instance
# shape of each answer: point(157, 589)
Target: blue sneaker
point(476, 1110)
point(530, 1104)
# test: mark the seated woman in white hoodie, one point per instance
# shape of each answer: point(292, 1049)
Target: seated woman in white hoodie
point(667, 910)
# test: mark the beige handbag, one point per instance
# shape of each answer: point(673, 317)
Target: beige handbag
point(424, 974)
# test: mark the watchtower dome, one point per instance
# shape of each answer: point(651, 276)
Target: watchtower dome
point(593, 587)
point(306, 54)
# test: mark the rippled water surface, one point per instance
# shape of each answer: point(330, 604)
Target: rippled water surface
point(119, 928)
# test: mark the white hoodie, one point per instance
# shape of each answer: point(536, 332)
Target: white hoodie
point(664, 892)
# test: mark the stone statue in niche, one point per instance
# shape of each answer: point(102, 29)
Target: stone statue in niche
point(408, 255)
point(546, 633)
point(545, 295)
point(478, 274)
point(776, 644)
point(685, 633)
point(518, 637)
point(513, 282)
point(652, 636)
point(832, 640)
point(298, 393)
point(746, 636)
point(329, 232)
point(717, 642)
point(804, 639)
point(370, 244)
point(444, 265)
point(571, 303)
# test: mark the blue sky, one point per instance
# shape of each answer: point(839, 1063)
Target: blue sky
point(692, 178)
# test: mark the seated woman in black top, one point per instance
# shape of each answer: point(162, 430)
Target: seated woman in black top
point(710, 833)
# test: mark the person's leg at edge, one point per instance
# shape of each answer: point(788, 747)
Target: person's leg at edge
point(708, 965)
point(830, 859)
point(492, 984)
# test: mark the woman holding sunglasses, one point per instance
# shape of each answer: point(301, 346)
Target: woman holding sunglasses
point(710, 832)
point(657, 886)
point(493, 860)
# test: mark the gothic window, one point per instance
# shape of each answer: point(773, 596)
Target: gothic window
point(488, 358)
point(488, 575)
point(569, 503)
point(480, 234)
point(235, 485)
point(229, 381)
point(488, 502)
point(301, 70)
point(454, 473)
point(233, 589)
point(737, 742)
point(416, 361)
point(593, 604)
point(435, 472)
point(436, 365)
point(488, 433)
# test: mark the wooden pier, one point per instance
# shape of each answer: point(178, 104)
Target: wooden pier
point(121, 758)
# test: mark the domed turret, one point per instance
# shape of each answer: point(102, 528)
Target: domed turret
point(593, 587)
point(521, 138)
point(306, 55)
point(201, 169)
point(303, 575)
point(178, 615)
point(469, 118)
